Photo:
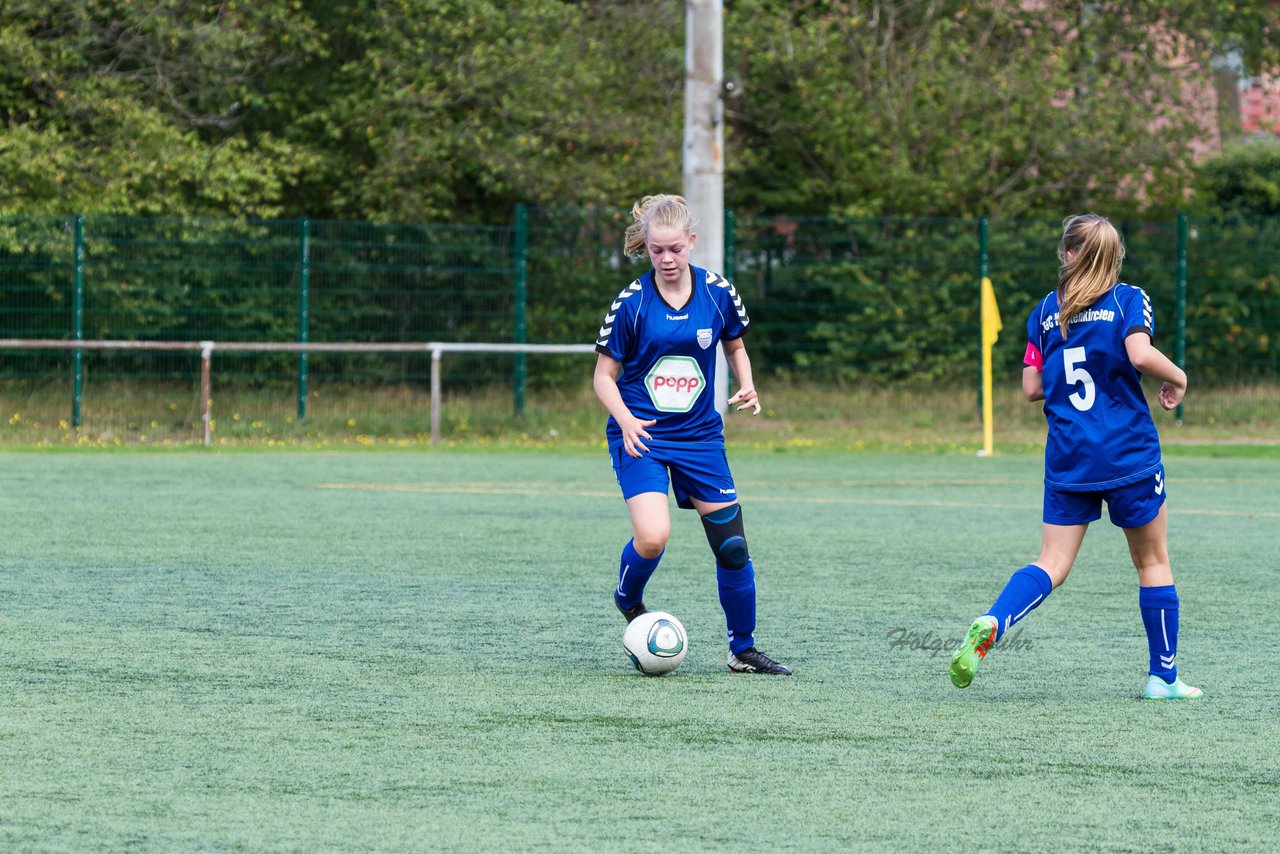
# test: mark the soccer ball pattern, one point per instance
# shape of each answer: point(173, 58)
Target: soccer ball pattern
point(655, 642)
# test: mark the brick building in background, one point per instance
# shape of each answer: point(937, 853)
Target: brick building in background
point(1260, 105)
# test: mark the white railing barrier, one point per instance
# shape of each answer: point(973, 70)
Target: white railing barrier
point(437, 349)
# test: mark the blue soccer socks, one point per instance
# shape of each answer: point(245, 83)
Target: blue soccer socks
point(633, 575)
point(1025, 589)
point(1160, 618)
point(738, 599)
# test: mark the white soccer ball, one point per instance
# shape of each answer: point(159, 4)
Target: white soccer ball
point(655, 642)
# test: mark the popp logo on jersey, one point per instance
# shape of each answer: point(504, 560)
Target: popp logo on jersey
point(675, 383)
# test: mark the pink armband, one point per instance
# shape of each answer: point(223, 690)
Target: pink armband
point(1034, 357)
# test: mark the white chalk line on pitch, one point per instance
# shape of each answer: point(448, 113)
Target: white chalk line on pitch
point(551, 489)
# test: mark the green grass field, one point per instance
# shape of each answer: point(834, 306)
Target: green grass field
point(417, 650)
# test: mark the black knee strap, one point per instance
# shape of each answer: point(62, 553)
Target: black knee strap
point(727, 537)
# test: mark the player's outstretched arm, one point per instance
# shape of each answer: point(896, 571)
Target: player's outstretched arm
point(1151, 362)
point(740, 363)
point(605, 383)
point(1032, 383)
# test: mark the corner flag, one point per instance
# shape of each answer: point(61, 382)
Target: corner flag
point(990, 332)
point(990, 314)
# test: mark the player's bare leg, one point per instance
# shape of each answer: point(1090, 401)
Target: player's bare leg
point(1059, 546)
point(651, 524)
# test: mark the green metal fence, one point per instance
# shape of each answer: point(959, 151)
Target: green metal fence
point(866, 302)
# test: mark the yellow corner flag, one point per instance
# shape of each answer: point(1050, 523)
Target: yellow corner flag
point(990, 332)
point(990, 314)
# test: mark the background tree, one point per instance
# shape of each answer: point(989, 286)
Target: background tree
point(989, 107)
point(439, 109)
point(430, 110)
point(1243, 179)
point(133, 108)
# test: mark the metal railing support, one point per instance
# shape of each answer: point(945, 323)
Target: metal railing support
point(435, 395)
point(206, 391)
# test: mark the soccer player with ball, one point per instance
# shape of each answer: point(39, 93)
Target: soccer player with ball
point(654, 372)
point(1089, 342)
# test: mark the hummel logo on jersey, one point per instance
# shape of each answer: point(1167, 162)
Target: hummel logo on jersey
point(1159, 483)
point(677, 317)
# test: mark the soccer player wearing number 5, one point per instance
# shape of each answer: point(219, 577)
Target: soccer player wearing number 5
point(1089, 343)
point(654, 373)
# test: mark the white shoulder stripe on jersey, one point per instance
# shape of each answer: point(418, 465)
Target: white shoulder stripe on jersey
point(721, 282)
point(1147, 314)
point(606, 329)
point(1148, 318)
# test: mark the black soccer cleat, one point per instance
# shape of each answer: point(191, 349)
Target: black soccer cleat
point(753, 660)
point(632, 612)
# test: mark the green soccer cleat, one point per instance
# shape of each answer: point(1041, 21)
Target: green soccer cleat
point(1158, 689)
point(964, 661)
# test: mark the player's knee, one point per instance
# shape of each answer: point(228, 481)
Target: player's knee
point(726, 536)
point(650, 542)
point(1056, 566)
point(733, 553)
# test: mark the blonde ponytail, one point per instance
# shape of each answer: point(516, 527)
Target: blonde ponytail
point(1091, 254)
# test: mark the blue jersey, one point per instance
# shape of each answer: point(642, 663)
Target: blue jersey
point(668, 355)
point(1100, 430)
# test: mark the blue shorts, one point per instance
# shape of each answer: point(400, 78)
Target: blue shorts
point(699, 471)
point(1130, 506)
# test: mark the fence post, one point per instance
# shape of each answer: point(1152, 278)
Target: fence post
point(1180, 303)
point(521, 298)
point(77, 323)
point(304, 309)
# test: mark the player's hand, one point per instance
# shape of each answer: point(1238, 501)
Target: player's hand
point(632, 432)
point(1171, 395)
point(748, 398)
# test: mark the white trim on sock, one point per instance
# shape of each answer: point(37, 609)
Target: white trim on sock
point(1028, 608)
point(622, 578)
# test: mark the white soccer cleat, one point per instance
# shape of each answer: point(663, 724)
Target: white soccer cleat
point(1158, 689)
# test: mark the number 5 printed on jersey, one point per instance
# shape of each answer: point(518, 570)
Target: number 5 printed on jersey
point(1083, 398)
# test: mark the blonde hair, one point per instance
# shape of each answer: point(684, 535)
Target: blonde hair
point(661, 210)
point(1096, 255)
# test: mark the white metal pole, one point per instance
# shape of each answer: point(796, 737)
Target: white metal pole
point(206, 392)
point(435, 395)
point(704, 145)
